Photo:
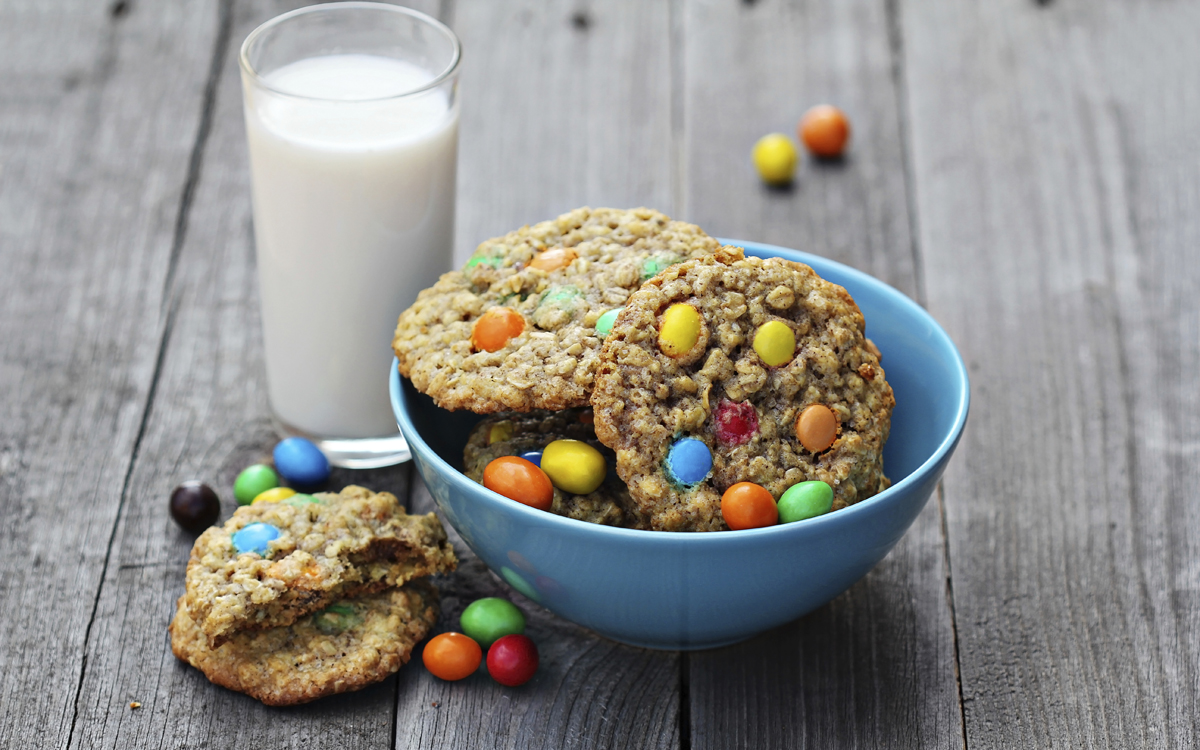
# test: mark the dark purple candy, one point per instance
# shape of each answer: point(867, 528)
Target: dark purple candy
point(195, 506)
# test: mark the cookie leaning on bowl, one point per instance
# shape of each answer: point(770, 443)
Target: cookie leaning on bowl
point(715, 360)
point(541, 292)
point(346, 544)
point(347, 646)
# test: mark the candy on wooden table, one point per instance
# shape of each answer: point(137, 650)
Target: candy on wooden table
point(512, 660)
point(273, 495)
point(194, 506)
point(452, 656)
point(520, 480)
point(574, 466)
point(489, 619)
point(300, 461)
point(805, 500)
point(495, 328)
point(775, 343)
point(746, 505)
point(824, 129)
point(254, 538)
point(774, 157)
point(253, 481)
point(680, 329)
point(688, 461)
point(735, 422)
point(816, 427)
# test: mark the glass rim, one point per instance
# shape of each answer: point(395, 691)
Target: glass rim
point(450, 70)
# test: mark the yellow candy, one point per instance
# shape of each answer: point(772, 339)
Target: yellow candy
point(775, 343)
point(574, 466)
point(273, 495)
point(500, 432)
point(775, 158)
point(679, 330)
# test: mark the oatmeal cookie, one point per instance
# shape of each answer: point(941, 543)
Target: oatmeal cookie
point(514, 434)
point(346, 646)
point(753, 343)
point(345, 544)
point(543, 290)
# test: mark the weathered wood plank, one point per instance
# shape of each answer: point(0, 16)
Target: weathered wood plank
point(1054, 154)
point(876, 666)
point(209, 420)
point(588, 692)
point(99, 110)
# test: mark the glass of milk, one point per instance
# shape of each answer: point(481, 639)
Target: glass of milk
point(352, 120)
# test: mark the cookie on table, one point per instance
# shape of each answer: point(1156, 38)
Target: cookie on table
point(725, 377)
point(346, 646)
point(523, 433)
point(341, 545)
point(517, 328)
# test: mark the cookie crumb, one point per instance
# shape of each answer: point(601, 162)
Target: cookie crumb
point(135, 705)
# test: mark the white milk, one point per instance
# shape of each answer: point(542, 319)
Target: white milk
point(353, 215)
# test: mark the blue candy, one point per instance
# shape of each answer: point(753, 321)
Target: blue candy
point(254, 538)
point(301, 462)
point(689, 461)
point(533, 457)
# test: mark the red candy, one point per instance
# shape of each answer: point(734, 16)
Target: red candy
point(512, 660)
point(735, 422)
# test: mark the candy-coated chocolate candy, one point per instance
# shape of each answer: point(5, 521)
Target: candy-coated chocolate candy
point(689, 461)
point(254, 538)
point(194, 506)
point(775, 159)
point(805, 500)
point(300, 499)
point(554, 259)
point(452, 656)
point(816, 427)
point(605, 323)
point(574, 466)
point(512, 660)
point(273, 495)
point(487, 260)
point(499, 432)
point(825, 130)
point(561, 296)
point(253, 481)
point(300, 461)
point(488, 619)
point(520, 480)
point(495, 328)
point(735, 422)
point(747, 505)
point(775, 343)
point(651, 267)
point(680, 329)
point(533, 457)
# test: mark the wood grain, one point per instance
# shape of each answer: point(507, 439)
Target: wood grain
point(874, 668)
point(98, 115)
point(1054, 152)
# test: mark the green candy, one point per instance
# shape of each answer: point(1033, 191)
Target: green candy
point(491, 260)
point(562, 296)
point(337, 618)
point(605, 323)
point(253, 481)
point(300, 499)
point(488, 620)
point(653, 266)
point(805, 500)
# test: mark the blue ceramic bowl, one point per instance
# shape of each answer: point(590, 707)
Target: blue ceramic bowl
point(690, 591)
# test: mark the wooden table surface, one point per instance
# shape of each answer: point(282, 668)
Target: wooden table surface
point(1028, 171)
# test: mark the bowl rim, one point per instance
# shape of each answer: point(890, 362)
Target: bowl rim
point(845, 515)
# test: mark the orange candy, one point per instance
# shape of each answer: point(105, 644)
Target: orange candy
point(554, 259)
point(452, 656)
point(824, 129)
point(816, 427)
point(520, 480)
point(746, 505)
point(495, 328)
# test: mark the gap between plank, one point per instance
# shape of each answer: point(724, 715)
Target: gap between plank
point(678, 165)
point(171, 303)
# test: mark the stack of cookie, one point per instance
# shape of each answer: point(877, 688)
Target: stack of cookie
point(684, 363)
point(294, 600)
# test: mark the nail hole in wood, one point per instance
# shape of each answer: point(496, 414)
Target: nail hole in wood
point(581, 20)
point(119, 9)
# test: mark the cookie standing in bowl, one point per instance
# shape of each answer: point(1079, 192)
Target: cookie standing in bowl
point(731, 369)
point(348, 645)
point(527, 435)
point(517, 328)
